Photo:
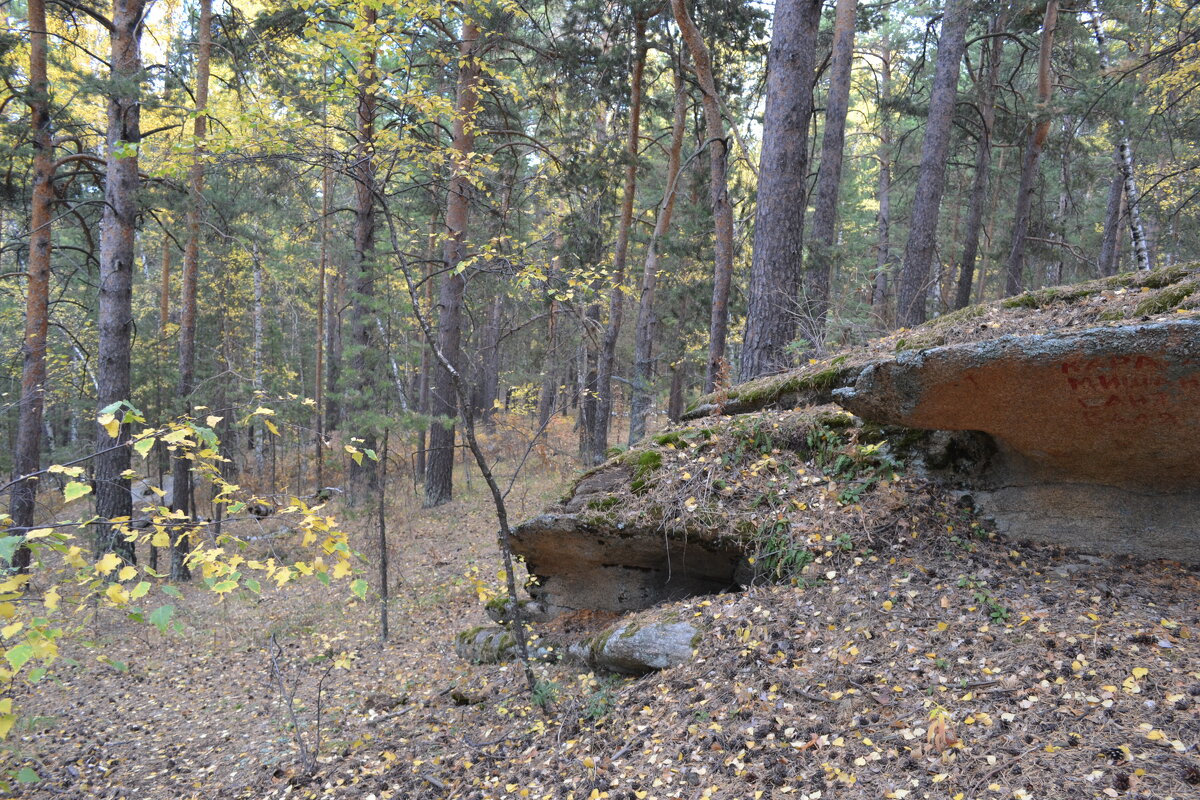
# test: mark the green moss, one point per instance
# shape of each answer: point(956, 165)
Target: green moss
point(1166, 300)
point(468, 636)
point(647, 461)
point(671, 438)
point(1166, 276)
point(605, 504)
point(962, 314)
point(1026, 300)
point(1111, 315)
point(1055, 294)
point(630, 630)
point(497, 603)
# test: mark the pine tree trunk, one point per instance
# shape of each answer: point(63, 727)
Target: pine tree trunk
point(983, 161)
point(782, 189)
point(549, 391)
point(883, 195)
point(117, 230)
point(181, 469)
point(333, 348)
point(829, 180)
point(362, 301)
point(616, 303)
point(489, 361)
point(439, 472)
point(1038, 133)
point(718, 156)
point(1108, 260)
point(27, 452)
point(260, 438)
point(319, 367)
point(647, 321)
point(923, 222)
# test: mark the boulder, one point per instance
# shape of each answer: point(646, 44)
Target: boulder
point(1097, 431)
point(486, 644)
point(635, 647)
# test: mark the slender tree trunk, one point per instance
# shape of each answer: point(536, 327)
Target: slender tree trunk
point(489, 374)
point(983, 160)
point(1137, 232)
point(616, 305)
point(333, 347)
point(718, 157)
point(117, 230)
point(647, 321)
point(675, 397)
point(923, 223)
point(319, 367)
point(829, 180)
point(883, 194)
point(550, 373)
point(782, 189)
point(1038, 133)
point(182, 472)
point(439, 472)
point(260, 438)
point(1107, 262)
point(362, 309)
point(27, 453)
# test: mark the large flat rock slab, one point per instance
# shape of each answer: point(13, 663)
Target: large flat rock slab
point(1116, 406)
point(1098, 430)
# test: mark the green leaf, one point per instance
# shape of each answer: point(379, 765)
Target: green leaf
point(359, 587)
point(171, 590)
point(36, 675)
point(224, 586)
point(140, 590)
point(19, 655)
point(8, 547)
point(253, 585)
point(74, 490)
point(27, 775)
point(143, 446)
point(161, 616)
point(323, 577)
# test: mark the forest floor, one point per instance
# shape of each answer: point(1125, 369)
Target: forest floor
point(937, 664)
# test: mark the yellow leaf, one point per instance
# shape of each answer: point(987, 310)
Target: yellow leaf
point(117, 594)
point(6, 723)
point(8, 610)
point(1140, 672)
point(127, 573)
point(211, 421)
point(107, 564)
point(160, 539)
point(341, 569)
point(50, 599)
point(110, 424)
point(271, 426)
point(11, 630)
point(887, 605)
point(40, 533)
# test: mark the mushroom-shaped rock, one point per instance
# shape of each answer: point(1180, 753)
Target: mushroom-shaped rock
point(586, 565)
point(1098, 430)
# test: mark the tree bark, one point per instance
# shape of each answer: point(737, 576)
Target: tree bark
point(362, 301)
point(439, 472)
point(647, 321)
point(829, 179)
point(983, 160)
point(922, 233)
point(782, 189)
point(319, 367)
point(718, 156)
point(549, 391)
point(117, 229)
point(1038, 132)
point(489, 362)
point(181, 468)
point(883, 195)
point(27, 452)
point(616, 303)
point(1108, 261)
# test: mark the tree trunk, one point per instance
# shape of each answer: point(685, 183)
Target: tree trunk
point(319, 367)
point(983, 160)
point(27, 452)
point(782, 189)
point(333, 348)
point(117, 230)
point(439, 472)
point(489, 362)
point(923, 223)
point(181, 469)
point(362, 302)
point(718, 156)
point(260, 438)
point(883, 194)
point(829, 180)
point(1137, 232)
point(675, 398)
point(616, 304)
point(647, 322)
point(1038, 132)
point(549, 391)
point(1109, 249)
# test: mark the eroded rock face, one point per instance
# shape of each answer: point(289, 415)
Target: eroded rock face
point(1098, 431)
point(581, 564)
point(636, 647)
